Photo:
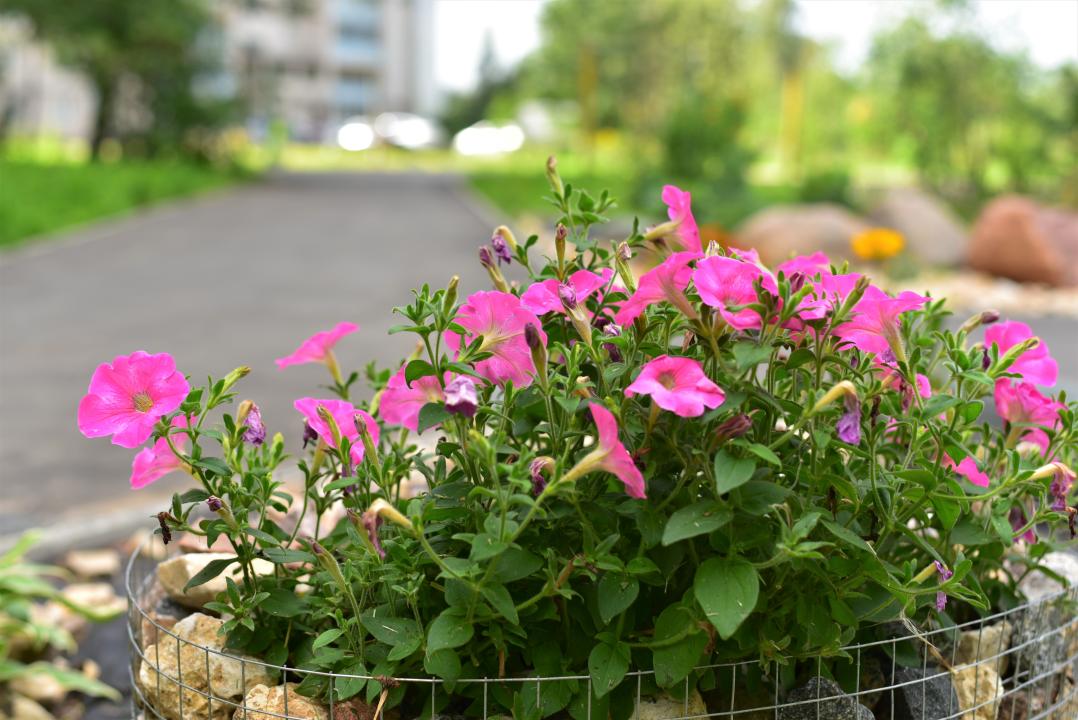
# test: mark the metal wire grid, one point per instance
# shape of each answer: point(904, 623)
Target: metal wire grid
point(1045, 668)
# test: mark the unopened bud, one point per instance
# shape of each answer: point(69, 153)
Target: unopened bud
point(567, 295)
point(540, 469)
point(328, 419)
point(621, 264)
point(1013, 354)
point(507, 235)
point(661, 231)
point(839, 390)
point(387, 512)
point(713, 249)
point(982, 318)
point(734, 427)
point(450, 298)
point(501, 249)
point(486, 259)
point(461, 397)
point(552, 176)
point(234, 377)
point(243, 411)
point(560, 234)
point(370, 452)
point(214, 503)
point(534, 338)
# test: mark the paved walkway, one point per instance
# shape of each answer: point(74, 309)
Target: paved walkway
point(234, 278)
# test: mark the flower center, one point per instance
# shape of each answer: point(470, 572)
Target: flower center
point(143, 402)
point(667, 380)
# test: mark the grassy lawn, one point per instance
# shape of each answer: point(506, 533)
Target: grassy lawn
point(38, 197)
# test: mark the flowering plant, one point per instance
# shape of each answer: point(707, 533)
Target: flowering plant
point(715, 460)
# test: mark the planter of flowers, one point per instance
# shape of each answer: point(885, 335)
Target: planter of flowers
point(716, 488)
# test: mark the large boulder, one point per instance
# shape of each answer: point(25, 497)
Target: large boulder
point(979, 689)
point(1045, 634)
point(1015, 237)
point(779, 233)
point(934, 234)
point(822, 699)
point(175, 573)
point(212, 683)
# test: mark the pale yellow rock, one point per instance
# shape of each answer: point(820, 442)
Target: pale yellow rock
point(665, 707)
point(93, 563)
point(24, 708)
point(39, 687)
point(979, 690)
point(176, 572)
point(988, 644)
point(203, 674)
point(271, 701)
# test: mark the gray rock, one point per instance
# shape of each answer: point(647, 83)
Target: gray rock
point(933, 233)
point(1037, 630)
point(928, 696)
point(836, 706)
point(781, 232)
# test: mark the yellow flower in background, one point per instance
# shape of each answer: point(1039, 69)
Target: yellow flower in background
point(877, 243)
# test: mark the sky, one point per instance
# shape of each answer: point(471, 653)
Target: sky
point(1046, 29)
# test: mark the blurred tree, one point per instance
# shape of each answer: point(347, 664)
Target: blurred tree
point(464, 109)
point(146, 47)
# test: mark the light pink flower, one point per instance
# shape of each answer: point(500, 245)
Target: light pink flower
point(667, 281)
point(400, 404)
point(317, 347)
point(127, 397)
point(874, 326)
point(500, 318)
point(1036, 366)
point(1020, 403)
point(807, 265)
point(344, 415)
point(725, 283)
point(612, 456)
point(543, 297)
point(679, 204)
point(152, 463)
point(967, 469)
point(677, 384)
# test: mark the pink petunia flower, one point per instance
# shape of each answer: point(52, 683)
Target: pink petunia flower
point(153, 463)
point(1036, 366)
point(874, 327)
point(679, 204)
point(400, 404)
point(611, 456)
point(500, 318)
point(1019, 402)
point(461, 397)
point(725, 283)
point(677, 384)
point(1062, 481)
point(128, 396)
point(344, 415)
point(967, 469)
point(808, 266)
point(545, 296)
point(318, 347)
point(667, 281)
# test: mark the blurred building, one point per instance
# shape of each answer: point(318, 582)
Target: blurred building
point(310, 63)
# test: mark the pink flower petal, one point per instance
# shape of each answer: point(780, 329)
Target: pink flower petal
point(400, 404)
point(317, 346)
point(344, 415)
point(677, 384)
point(725, 283)
point(617, 460)
point(500, 318)
point(1036, 366)
point(679, 204)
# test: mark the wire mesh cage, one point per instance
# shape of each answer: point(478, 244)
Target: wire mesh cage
point(1021, 664)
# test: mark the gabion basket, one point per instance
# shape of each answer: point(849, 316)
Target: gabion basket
point(1032, 675)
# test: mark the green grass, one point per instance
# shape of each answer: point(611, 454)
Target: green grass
point(38, 198)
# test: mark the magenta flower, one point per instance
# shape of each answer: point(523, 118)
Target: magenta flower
point(318, 347)
point(808, 266)
point(127, 397)
point(611, 456)
point(344, 415)
point(945, 575)
point(679, 208)
point(666, 281)
point(400, 404)
point(545, 296)
point(254, 430)
point(677, 384)
point(848, 427)
point(500, 318)
point(153, 463)
point(461, 397)
point(728, 284)
point(1020, 403)
point(968, 469)
point(1036, 366)
point(874, 327)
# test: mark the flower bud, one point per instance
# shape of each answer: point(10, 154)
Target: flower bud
point(485, 257)
point(1013, 354)
point(507, 236)
point(552, 176)
point(461, 397)
point(621, 265)
point(385, 511)
point(309, 434)
point(560, 234)
point(661, 231)
point(501, 249)
point(839, 390)
point(982, 318)
point(370, 452)
point(214, 503)
point(450, 298)
point(370, 521)
point(734, 427)
point(986, 359)
point(567, 295)
point(328, 419)
point(713, 249)
point(540, 469)
point(254, 430)
point(234, 377)
point(538, 351)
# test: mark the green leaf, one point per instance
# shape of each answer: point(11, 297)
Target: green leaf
point(484, 546)
point(731, 472)
point(848, 536)
point(500, 599)
point(699, 518)
point(516, 564)
point(443, 663)
point(607, 665)
point(217, 466)
point(432, 414)
point(213, 569)
point(749, 354)
point(616, 592)
point(765, 453)
point(971, 411)
point(326, 638)
point(284, 603)
point(948, 511)
point(727, 590)
point(402, 634)
point(346, 687)
point(193, 496)
point(417, 369)
point(448, 630)
point(281, 556)
point(673, 663)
